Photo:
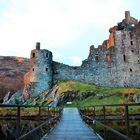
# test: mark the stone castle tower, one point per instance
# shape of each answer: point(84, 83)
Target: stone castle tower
point(39, 78)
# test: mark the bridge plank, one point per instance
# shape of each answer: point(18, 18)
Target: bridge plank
point(71, 127)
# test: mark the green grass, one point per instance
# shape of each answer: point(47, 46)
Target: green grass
point(115, 95)
point(84, 87)
point(76, 86)
point(92, 100)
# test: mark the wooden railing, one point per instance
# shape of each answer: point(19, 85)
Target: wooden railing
point(54, 114)
point(90, 114)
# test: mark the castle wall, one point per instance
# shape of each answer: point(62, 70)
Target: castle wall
point(114, 66)
point(115, 63)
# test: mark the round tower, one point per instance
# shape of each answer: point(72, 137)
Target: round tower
point(39, 78)
point(41, 65)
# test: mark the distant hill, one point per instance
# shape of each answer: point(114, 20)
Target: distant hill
point(12, 70)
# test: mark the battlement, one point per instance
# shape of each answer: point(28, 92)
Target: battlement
point(38, 46)
point(37, 53)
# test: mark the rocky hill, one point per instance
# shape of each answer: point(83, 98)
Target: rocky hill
point(12, 70)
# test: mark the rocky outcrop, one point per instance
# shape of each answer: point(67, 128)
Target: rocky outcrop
point(136, 98)
point(16, 98)
point(70, 96)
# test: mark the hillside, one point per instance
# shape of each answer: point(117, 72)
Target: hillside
point(12, 70)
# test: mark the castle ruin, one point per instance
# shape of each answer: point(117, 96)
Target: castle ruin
point(115, 63)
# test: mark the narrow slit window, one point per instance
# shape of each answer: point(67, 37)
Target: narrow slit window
point(131, 42)
point(33, 69)
point(33, 55)
point(124, 58)
point(46, 69)
point(47, 55)
point(96, 58)
point(130, 70)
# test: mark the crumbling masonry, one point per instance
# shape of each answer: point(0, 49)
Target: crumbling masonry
point(115, 63)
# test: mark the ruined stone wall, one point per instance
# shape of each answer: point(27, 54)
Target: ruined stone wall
point(115, 63)
point(114, 66)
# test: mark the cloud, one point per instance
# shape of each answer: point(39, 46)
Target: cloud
point(76, 60)
point(56, 24)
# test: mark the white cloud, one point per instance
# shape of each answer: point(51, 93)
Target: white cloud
point(76, 60)
point(55, 23)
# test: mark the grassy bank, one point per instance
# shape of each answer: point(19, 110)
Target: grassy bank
point(101, 95)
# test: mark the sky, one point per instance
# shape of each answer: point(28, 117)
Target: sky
point(66, 27)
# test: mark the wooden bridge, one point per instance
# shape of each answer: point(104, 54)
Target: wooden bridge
point(71, 127)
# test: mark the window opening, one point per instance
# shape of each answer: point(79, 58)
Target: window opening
point(33, 54)
point(47, 55)
point(131, 42)
point(96, 58)
point(124, 58)
point(130, 70)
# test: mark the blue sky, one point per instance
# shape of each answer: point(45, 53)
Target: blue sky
point(65, 27)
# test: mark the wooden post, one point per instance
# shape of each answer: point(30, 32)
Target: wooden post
point(48, 112)
point(94, 119)
point(127, 121)
point(105, 136)
point(18, 123)
point(39, 114)
point(103, 113)
point(94, 109)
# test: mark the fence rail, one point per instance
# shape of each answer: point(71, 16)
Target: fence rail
point(126, 117)
point(50, 118)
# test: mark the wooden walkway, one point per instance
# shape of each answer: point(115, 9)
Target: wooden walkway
point(71, 127)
